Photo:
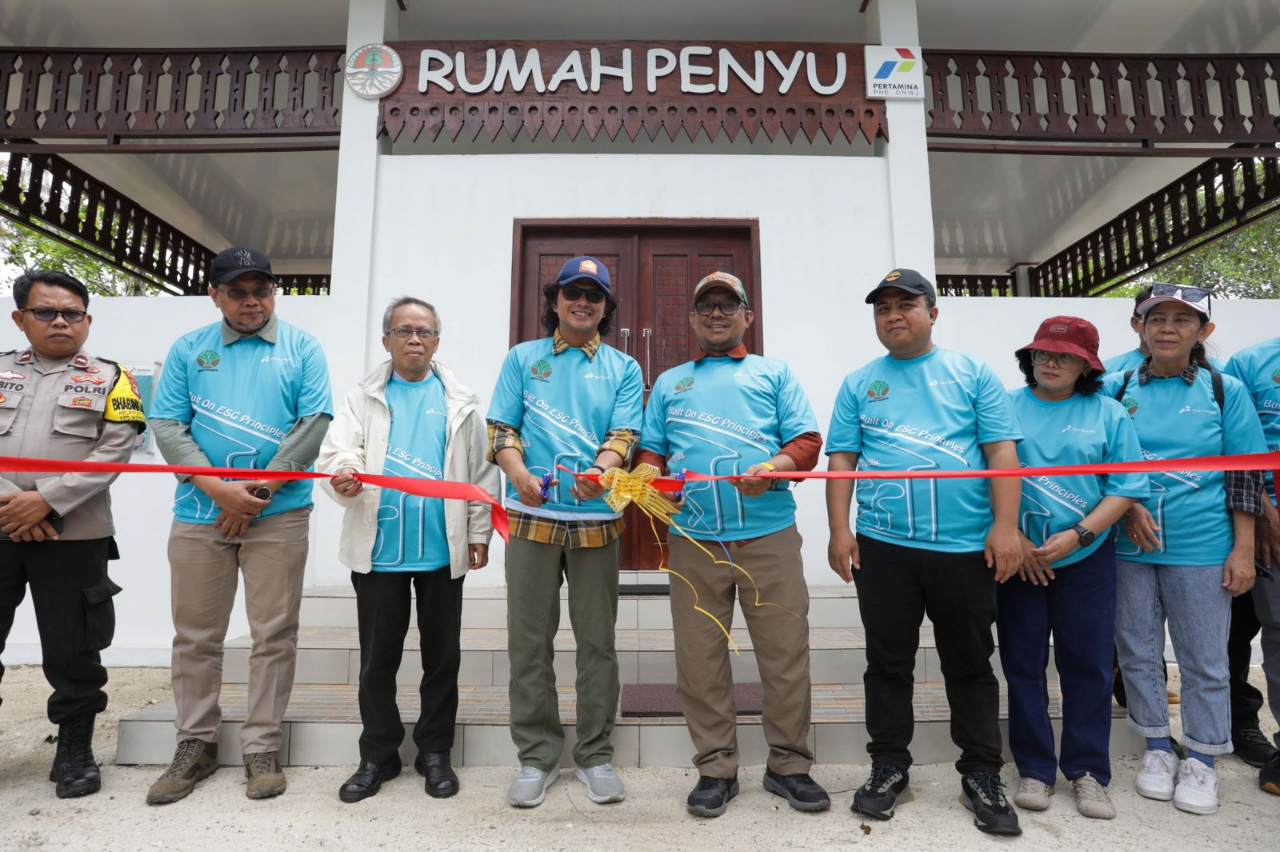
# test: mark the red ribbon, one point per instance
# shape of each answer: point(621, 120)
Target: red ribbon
point(1256, 461)
point(441, 489)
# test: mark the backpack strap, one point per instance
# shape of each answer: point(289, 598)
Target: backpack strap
point(1124, 386)
point(1219, 393)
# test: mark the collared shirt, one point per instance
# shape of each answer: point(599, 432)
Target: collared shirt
point(561, 406)
point(240, 396)
point(1243, 486)
point(1258, 367)
point(80, 408)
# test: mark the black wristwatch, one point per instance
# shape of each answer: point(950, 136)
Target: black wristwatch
point(1087, 536)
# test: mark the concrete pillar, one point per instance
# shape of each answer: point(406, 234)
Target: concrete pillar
point(356, 320)
point(1022, 278)
point(893, 22)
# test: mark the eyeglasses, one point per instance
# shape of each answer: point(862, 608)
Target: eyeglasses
point(239, 294)
point(728, 309)
point(50, 314)
point(1039, 356)
point(573, 294)
point(404, 332)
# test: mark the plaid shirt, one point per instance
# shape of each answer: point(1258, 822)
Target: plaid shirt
point(574, 534)
point(1246, 489)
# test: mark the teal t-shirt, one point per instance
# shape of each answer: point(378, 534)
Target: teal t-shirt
point(241, 399)
point(411, 532)
point(1084, 429)
point(563, 406)
point(721, 416)
point(1176, 420)
point(929, 413)
point(1258, 368)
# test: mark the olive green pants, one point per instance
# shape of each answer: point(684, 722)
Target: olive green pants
point(534, 574)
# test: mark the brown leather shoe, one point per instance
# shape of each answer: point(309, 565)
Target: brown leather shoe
point(193, 761)
point(265, 778)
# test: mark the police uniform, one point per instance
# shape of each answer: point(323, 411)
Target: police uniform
point(81, 408)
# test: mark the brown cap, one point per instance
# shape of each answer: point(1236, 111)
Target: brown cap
point(722, 279)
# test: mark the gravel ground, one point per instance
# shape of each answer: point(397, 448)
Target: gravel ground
point(218, 816)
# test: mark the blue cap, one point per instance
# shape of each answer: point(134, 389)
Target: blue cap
point(585, 268)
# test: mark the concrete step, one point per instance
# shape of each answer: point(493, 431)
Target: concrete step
point(331, 655)
point(486, 607)
point(322, 728)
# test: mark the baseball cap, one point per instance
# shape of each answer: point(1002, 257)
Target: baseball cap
point(585, 268)
point(907, 280)
point(729, 282)
point(1068, 336)
point(1197, 298)
point(229, 264)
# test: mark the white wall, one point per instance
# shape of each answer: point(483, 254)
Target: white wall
point(443, 231)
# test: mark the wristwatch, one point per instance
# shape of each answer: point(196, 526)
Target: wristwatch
point(1087, 536)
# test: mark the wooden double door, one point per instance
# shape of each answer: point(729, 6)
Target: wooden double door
point(654, 267)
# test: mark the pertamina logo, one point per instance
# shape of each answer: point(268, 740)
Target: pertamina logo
point(1130, 405)
point(878, 390)
point(684, 384)
point(540, 371)
point(208, 360)
point(905, 64)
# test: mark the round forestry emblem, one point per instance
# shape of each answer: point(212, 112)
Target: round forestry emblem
point(374, 71)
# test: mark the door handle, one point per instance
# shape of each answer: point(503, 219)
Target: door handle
point(647, 334)
point(626, 341)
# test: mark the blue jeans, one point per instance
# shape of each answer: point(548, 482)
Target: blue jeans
point(1198, 610)
point(1079, 609)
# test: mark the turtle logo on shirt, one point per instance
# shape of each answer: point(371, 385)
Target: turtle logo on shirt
point(685, 384)
point(540, 371)
point(208, 360)
point(1130, 405)
point(878, 390)
point(1275, 377)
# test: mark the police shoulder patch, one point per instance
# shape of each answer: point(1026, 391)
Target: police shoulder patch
point(124, 405)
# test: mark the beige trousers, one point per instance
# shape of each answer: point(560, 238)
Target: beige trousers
point(780, 635)
point(203, 570)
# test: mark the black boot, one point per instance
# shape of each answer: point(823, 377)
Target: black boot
point(74, 769)
point(442, 781)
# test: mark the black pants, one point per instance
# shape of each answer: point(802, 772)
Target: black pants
point(382, 605)
point(897, 587)
point(1246, 700)
point(71, 594)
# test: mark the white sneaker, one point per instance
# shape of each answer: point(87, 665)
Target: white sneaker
point(1197, 791)
point(603, 784)
point(1159, 774)
point(530, 787)
point(1032, 795)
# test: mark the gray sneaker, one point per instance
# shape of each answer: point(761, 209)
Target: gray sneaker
point(530, 787)
point(603, 784)
point(1092, 799)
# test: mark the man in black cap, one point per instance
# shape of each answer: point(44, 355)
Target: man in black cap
point(926, 547)
point(250, 392)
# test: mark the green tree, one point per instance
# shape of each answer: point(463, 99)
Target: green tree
point(23, 248)
point(1244, 264)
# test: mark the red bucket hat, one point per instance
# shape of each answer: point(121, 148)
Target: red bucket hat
point(1068, 336)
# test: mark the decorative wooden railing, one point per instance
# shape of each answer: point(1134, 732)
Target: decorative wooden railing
point(975, 285)
point(51, 195)
point(1208, 201)
point(97, 94)
point(1070, 97)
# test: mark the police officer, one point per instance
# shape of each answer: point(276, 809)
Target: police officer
point(58, 402)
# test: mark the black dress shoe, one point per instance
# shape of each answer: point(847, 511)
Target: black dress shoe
point(1252, 746)
point(800, 791)
point(442, 781)
point(712, 796)
point(366, 781)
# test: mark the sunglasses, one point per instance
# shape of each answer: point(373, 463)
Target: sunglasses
point(573, 294)
point(728, 309)
point(50, 314)
point(239, 294)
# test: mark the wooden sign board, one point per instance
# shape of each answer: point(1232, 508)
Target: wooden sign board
point(466, 91)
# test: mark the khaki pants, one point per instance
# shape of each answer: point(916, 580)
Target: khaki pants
point(203, 571)
point(781, 641)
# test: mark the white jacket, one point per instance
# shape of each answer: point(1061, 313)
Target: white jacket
point(357, 439)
